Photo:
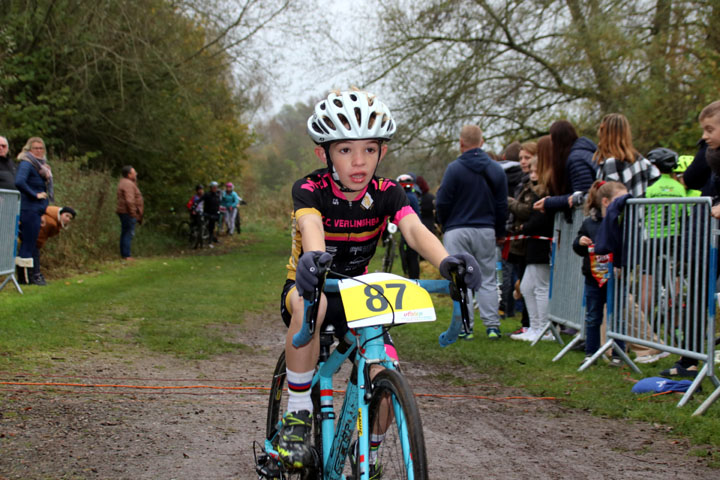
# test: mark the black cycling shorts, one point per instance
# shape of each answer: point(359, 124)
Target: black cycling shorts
point(335, 314)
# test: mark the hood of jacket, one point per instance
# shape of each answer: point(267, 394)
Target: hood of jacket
point(585, 144)
point(475, 159)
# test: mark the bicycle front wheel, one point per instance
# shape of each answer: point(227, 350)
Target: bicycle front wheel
point(401, 453)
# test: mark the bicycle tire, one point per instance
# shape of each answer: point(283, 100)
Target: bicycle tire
point(277, 405)
point(194, 237)
point(183, 230)
point(389, 257)
point(391, 384)
point(204, 234)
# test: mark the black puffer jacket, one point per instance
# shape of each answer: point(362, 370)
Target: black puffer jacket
point(540, 224)
point(7, 173)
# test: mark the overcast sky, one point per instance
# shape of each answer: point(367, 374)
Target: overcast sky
point(300, 76)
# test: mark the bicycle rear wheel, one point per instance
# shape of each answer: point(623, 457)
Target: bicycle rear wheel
point(183, 229)
point(194, 237)
point(204, 234)
point(389, 257)
point(401, 455)
point(277, 406)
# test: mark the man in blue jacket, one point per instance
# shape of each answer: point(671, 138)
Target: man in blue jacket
point(472, 207)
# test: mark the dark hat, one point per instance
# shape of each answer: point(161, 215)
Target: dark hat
point(69, 210)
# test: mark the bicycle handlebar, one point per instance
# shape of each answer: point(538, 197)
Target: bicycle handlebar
point(456, 289)
point(312, 303)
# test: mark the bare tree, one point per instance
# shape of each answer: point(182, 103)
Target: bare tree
point(514, 66)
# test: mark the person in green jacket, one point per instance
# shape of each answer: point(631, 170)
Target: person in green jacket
point(662, 225)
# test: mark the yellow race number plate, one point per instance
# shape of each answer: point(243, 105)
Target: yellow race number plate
point(384, 298)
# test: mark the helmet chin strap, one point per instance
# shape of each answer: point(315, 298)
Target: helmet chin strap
point(336, 177)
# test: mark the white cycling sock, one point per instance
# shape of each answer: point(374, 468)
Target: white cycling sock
point(299, 390)
point(375, 441)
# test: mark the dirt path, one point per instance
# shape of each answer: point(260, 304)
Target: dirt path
point(103, 432)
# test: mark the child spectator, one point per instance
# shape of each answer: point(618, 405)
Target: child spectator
point(229, 202)
point(702, 174)
point(594, 267)
point(195, 204)
point(609, 239)
point(684, 162)
point(536, 280)
point(661, 222)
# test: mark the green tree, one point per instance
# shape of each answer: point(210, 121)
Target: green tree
point(152, 83)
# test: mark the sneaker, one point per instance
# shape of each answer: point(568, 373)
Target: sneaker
point(678, 370)
point(466, 336)
point(38, 279)
point(531, 334)
point(493, 333)
point(651, 358)
point(519, 331)
point(548, 337)
point(293, 440)
point(616, 362)
point(376, 469)
point(521, 336)
point(586, 359)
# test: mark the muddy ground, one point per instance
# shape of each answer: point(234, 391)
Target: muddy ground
point(107, 432)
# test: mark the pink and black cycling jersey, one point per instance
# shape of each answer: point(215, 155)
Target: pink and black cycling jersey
point(352, 227)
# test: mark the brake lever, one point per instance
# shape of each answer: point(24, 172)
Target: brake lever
point(312, 305)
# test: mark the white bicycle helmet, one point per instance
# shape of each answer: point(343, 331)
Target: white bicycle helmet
point(350, 115)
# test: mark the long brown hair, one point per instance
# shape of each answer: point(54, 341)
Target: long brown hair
point(563, 136)
point(545, 165)
point(615, 139)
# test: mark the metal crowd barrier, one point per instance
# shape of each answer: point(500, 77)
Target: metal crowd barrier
point(9, 220)
point(566, 305)
point(663, 297)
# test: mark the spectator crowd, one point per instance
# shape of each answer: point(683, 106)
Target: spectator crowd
point(500, 209)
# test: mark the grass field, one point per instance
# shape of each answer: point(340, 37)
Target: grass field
point(178, 305)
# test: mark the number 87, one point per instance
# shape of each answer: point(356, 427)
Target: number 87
point(376, 292)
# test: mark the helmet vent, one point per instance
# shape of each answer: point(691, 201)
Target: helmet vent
point(371, 119)
point(358, 115)
point(338, 103)
point(353, 97)
point(318, 128)
point(384, 120)
point(329, 122)
point(344, 121)
point(323, 106)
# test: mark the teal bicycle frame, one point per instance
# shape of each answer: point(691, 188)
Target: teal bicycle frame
point(370, 345)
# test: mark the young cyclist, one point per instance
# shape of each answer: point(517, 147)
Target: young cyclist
point(339, 214)
point(195, 204)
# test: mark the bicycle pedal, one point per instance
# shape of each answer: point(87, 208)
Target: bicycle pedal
point(268, 469)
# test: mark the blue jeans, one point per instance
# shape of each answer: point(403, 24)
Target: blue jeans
point(595, 299)
point(127, 232)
